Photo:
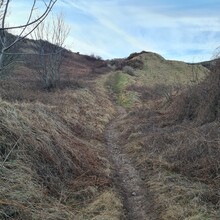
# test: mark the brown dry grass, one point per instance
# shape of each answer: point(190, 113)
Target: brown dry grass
point(52, 153)
point(177, 152)
point(200, 103)
point(52, 156)
point(156, 78)
point(180, 163)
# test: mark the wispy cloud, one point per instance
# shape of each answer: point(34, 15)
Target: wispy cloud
point(182, 30)
point(173, 29)
point(107, 26)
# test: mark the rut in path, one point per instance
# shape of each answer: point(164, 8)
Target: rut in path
point(136, 200)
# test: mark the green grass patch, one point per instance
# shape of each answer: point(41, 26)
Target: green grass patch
point(118, 83)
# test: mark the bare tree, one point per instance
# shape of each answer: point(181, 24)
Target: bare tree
point(50, 38)
point(5, 43)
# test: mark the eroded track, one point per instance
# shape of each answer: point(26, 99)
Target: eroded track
point(136, 199)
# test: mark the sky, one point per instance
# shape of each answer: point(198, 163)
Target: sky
point(185, 30)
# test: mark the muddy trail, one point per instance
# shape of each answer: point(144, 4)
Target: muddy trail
point(137, 201)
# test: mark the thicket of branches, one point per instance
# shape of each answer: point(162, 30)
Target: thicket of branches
point(50, 38)
point(23, 30)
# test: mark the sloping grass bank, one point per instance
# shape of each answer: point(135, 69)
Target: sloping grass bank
point(175, 147)
point(52, 163)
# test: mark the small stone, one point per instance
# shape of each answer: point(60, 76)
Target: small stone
point(134, 194)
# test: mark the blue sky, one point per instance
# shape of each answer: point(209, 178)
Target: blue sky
point(187, 30)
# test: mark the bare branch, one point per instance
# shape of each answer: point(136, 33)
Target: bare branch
point(51, 39)
point(30, 16)
point(5, 44)
point(39, 19)
point(4, 14)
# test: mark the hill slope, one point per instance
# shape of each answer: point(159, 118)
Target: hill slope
point(171, 136)
point(147, 76)
point(53, 162)
point(68, 142)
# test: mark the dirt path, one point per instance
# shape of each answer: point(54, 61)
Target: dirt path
point(136, 200)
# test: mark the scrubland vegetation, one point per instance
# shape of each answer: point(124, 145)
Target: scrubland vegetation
point(174, 143)
point(52, 147)
point(53, 158)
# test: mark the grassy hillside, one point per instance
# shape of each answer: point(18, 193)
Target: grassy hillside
point(174, 143)
point(147, 76)
point(53, 158)
point(52, 154)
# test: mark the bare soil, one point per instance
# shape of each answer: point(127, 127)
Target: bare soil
point(138, 202)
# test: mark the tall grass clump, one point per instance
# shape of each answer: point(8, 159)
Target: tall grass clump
point(43, 165)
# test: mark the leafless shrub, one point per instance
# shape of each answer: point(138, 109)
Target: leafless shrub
point(93, 57)
point(50, 44)
point(156, 92)
point(200, 103)
point(6, 56)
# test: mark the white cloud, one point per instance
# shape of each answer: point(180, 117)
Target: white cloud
point(116, 28)
point(161, 31)
point(105, 17)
